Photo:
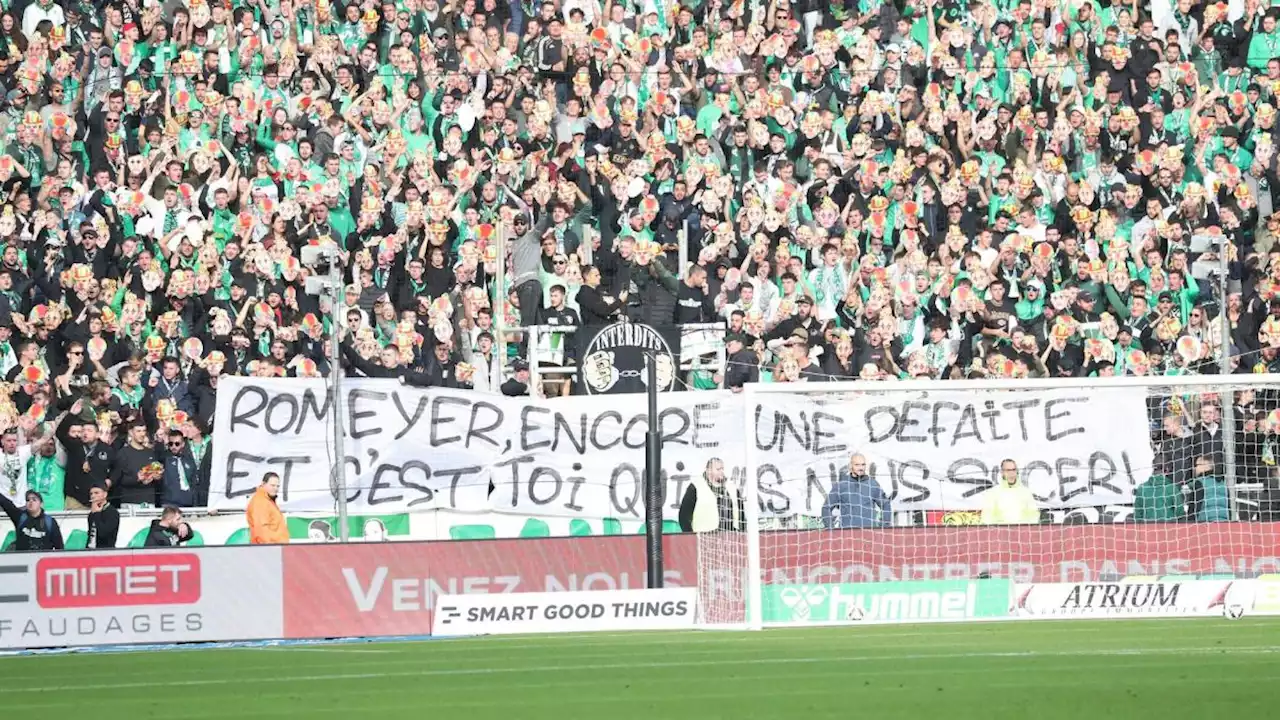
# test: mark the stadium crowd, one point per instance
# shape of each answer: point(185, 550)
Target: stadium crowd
point(865, 190)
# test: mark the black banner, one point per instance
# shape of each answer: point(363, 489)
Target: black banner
point(614, 358)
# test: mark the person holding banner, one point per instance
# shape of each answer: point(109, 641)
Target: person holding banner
point(1009, 502)
point(388, 365)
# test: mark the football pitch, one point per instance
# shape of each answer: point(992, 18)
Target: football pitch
point(1048, 669)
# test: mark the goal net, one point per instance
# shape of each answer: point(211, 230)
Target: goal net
point(882, 502)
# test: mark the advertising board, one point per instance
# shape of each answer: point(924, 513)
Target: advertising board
point(143, 596)
point(393, 589)
point(1134, 598)
point(565, 612)
point(868, 603)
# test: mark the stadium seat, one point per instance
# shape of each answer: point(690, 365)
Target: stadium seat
point(77, 540)
point(535, 528)
point(472, 532)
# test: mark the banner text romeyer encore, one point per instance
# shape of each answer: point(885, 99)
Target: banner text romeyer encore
point(410, 448)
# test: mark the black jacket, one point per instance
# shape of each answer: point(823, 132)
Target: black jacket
point(196, 492)
point(126, 488)
point(104, 526)
point(84, 467)
point(32, 533)
point(693, 305)
point(365, 367)
point(595, 310)
point(160, 536)
point(730, 519)
point(514, 388)
point(743, 367)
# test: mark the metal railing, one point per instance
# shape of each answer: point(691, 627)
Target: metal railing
point(707, 337)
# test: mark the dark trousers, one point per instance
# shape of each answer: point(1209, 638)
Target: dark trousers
point(529, 293)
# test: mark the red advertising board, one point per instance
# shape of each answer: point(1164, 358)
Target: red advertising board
point(388, 589)
point(1039, 553)
point(86, 580)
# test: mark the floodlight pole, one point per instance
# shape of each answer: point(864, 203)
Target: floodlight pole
point(653, 489)
point(335, 388)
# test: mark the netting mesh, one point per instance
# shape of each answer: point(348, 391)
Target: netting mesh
point(722, 568)
point(888, 483)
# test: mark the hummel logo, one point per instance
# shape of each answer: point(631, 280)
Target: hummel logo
point(802, 599)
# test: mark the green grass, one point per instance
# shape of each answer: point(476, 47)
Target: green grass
point(1161, 669)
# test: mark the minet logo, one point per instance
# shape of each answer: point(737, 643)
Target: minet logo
point(118, 580)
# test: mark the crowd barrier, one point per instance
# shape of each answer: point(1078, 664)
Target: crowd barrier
point(393, 589)
point(230, 527)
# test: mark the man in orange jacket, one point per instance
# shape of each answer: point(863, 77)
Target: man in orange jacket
point(266, 522)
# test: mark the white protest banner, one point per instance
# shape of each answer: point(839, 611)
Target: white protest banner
point(564, 612)
point(941, 450)
point(421, 449)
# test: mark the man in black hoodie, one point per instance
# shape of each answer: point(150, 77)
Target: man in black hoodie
point(168, 530)
point(34, 529)
point(104, 519)
point(693, 303)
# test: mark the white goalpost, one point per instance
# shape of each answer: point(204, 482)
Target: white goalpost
point(986, 500)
